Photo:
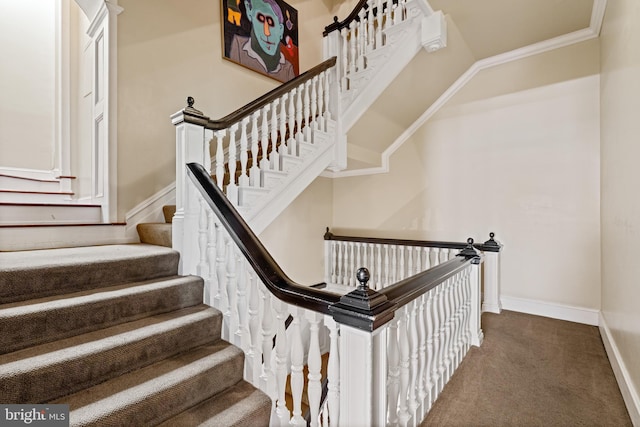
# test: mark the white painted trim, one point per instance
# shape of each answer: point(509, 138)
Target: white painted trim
point(597, 15)
point(588, 316)
point(629, 393)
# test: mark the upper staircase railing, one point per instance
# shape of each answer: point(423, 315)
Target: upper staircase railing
point(390, 352)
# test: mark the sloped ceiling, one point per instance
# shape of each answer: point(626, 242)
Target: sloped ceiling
point(477, 30)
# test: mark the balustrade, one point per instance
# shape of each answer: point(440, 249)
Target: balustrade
point(390, 260)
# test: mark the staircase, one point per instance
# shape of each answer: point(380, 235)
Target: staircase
point(113, 332)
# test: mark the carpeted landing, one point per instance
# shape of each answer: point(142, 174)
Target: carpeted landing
point(532, 371)
point(114, 332)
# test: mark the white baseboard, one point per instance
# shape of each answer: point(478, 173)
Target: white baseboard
point(150, 210)
point(629, 393)
point(587, 316)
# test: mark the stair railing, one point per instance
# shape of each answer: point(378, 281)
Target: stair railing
point(255, 147)
point(391, 260)
point(390, 351)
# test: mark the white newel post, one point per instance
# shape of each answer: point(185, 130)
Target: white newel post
point(363, 377)
point(475, 326)
point(491, 301)
point(190, 147)
point(363, 315)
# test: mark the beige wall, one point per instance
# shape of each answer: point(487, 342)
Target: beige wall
point(295, 238)
point(524, 165)
point(620, 130)
point(27, 84)
point(171, 49)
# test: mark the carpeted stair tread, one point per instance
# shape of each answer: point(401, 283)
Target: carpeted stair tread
point(155, 233)
point(153, 394)
point(34, 274)
point(240, 405)
point(33, 322)
point(54, 369)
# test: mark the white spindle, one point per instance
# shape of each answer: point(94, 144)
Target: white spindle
point(254, 172)
point(314, 360)
point(203, 268)
point(393, 382)
point(267, 375)
point(345, 59)
point(321, 91)
point(264, 138)
point(283, 148)
point(244, 154)
point(379, 22)
point(297, 377)
point(281, 362)
point(221, 272)
point(403, 343)
point(232, 286)
point(409, 261)
point(327, 98)
point(253, 355)
point(220, 157)
point(361, 40)
point(386, 265)
point(232, 188)
point(414, 357)
point(422, 353)
point(314, 103)
point(299, 114)
point(242, 333)
point(352, 48)
point(333, 372)
point(212, 297)
point(307, 113)
point(274, 158)
point(291, 117)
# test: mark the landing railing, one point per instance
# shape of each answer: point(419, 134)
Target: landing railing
point(391, 260)
point(390, 352)
point(254, 148)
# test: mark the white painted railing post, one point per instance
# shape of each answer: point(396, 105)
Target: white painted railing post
point(190, 147)
point(473, 283)
point(363, 377)
point(491, 298)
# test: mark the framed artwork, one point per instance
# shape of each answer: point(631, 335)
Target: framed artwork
point(262, 35)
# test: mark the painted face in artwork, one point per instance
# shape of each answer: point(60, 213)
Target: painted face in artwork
point(267, 26)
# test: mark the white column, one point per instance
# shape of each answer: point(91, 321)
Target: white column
point(363, 377)
point(476, 330)
point(491, 295)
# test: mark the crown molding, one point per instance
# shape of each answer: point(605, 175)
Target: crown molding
point(593, 31)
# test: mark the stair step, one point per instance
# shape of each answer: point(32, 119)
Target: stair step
point(18, 196)
point(35, 322)
point(168, 211)
point(52, 370)
point(240, 405)
point(154, 394)
point(47, 272)
point(36, 214)
point(155, 233)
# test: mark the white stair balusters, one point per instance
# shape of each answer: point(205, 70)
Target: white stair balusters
point(281, 361)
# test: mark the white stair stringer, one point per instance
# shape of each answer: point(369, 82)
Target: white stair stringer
point(422, 28)
point(315, 158)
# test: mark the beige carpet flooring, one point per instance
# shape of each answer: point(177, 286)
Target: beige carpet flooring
point(532, 371)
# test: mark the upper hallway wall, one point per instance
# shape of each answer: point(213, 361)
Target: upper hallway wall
point(524, 164)
point(620, 127)
point(28, 84)
point(171, 49)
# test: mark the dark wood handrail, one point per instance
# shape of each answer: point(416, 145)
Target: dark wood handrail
point(353, 16)
point(490, 245)
point(278, 283)
point(193, 116)
point(363, 308)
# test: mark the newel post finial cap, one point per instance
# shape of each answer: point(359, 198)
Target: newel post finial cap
point(492, 243)
point(363, 277)
point(189, 108)
point(469, 251)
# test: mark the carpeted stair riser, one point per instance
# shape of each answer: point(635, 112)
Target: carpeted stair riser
point(79, 271)
point(158, 392)
point(36, 322)
point(155, 233)
point(66, 366)
point(239, 406)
